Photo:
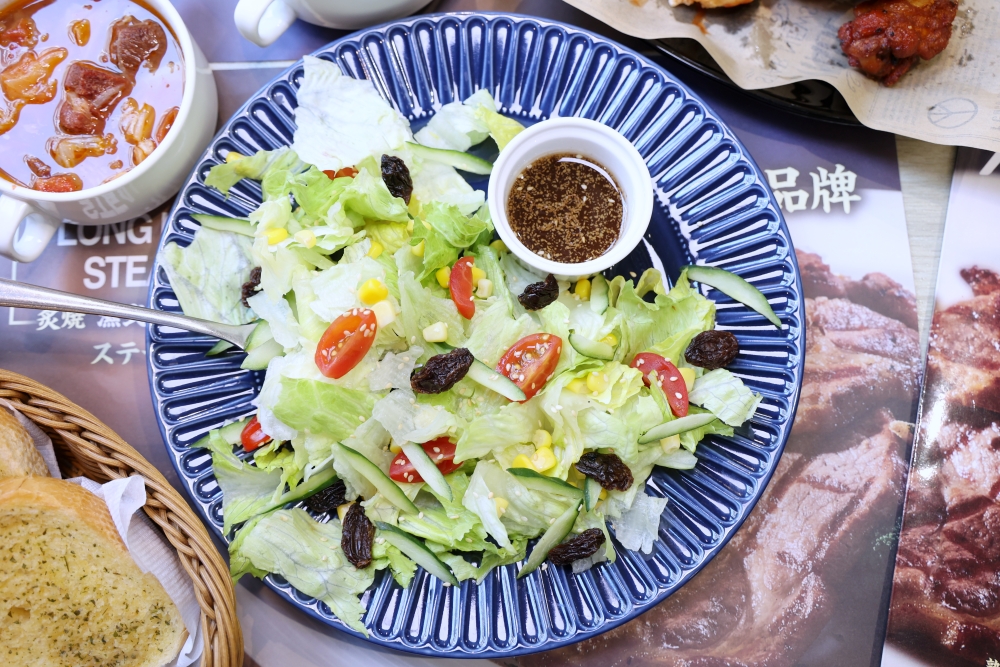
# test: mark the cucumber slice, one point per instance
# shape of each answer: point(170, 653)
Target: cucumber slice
point(591, 348)
point(258, 358)
point(260, 335)
point(591, 493)
point(315, 484)
point(417, 551)
point(222, 224)
point(231, 432)
point(378, 479)
point(219, 348)
point(539, 482)
point(677, 426)
point(599, 294)
point(423, 464)
point(556, 533)
point(736, 287)
point(495, 380)
point(457, 159)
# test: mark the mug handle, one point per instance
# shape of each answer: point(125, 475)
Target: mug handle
point(260, 29)
point(38, 229)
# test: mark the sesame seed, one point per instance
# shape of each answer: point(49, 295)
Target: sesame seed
point(678, 394)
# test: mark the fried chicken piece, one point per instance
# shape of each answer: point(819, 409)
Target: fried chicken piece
point(888, 37)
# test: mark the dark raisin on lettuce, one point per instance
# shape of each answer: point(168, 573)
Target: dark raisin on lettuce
point(357, 537)
point(441, 371)
point(712, 349)
point(609, 470)
point(538, 295)
point(396, 177)
point(250, 287)
point(329, 499)
point(583, 545)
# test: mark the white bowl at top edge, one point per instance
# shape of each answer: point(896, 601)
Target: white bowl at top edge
point(592, 140)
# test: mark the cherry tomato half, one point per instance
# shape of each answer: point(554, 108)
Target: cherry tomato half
point(349, 172)
point(460, 285)
point(442, 452)
point(670, 379)
point(530, 361)
point(252, 436)
point(345, 342)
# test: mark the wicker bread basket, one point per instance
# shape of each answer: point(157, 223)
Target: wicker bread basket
point(86, 447)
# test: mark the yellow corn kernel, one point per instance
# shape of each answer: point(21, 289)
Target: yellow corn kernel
point(233, 156)
point(598, 381)
point(418, 249)
point(394, 448)
point(603, 494)
point(409, 226)
point(376, 250)
point(575, 477)
point(502, 504)
point(436, 333)
point(543, 459)
point(582, 290)
point(578, 386)
point(499, 246)
point(443, 276)
point(477, 275)
point(688, 375)
point(611, 340)
point(276, 235)
point(671, 444)
point(484, 288)
point(306, 238)
point(542, 438)
point(414, 206)
point(342, 510)
point(522, 461)
point(385, 314)
point(372, 291)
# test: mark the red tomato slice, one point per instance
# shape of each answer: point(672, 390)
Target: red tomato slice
point(670, 380)
point(442, 452)
point(252, 436)
point(460, 285)
point(530, 361)
point(349, 172)
point(345, 342)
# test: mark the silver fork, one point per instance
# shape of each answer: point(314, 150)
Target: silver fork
point(21, 295)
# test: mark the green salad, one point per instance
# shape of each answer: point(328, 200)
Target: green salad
point(427, 398)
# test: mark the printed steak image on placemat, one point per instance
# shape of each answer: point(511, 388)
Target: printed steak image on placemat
point(946, 594)
point(771, 594)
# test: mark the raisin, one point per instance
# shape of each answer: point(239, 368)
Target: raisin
point(538, 295)
point(609, 470)
point(328, 499)
point(441, 371)
point(396, 177)
point(712, 349)
point(357, 537)
point(250, 286)
point(583, 545)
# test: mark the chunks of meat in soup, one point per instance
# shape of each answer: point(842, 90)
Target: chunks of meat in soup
point(92, 93)
point(135, 42)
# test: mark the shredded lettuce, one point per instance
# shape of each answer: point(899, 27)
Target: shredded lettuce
point(208, 275)
point(322, 407)
point(725, 396)
point(246, 490)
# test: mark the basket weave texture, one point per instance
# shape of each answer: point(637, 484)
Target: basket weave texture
point(86, 447)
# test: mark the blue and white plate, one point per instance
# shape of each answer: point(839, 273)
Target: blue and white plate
point(713, 208)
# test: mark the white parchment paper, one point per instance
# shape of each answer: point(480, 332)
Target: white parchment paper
point(953, 99)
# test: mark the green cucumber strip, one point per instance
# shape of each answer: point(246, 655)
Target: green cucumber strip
point(676, 427)
point(417, 551)
point(313, 485)
point(378, 479)
point(423, 464)
point(260, 335)
point(556, 533)
point(231, 432)
point(495, 380)
point(599, 294)
point(258, 358)
point(591, 493)
point(219, 348)
point(457, 159)
point(591, 348)
point(539, 482)
point(735, 287)
point(223, 224)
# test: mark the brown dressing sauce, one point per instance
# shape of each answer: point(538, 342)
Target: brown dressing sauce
point(566, 208)
point(86, 93)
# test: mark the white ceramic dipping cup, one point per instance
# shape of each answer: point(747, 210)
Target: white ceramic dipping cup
point(29, 218)
point(590, 139)
point(264, 21)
